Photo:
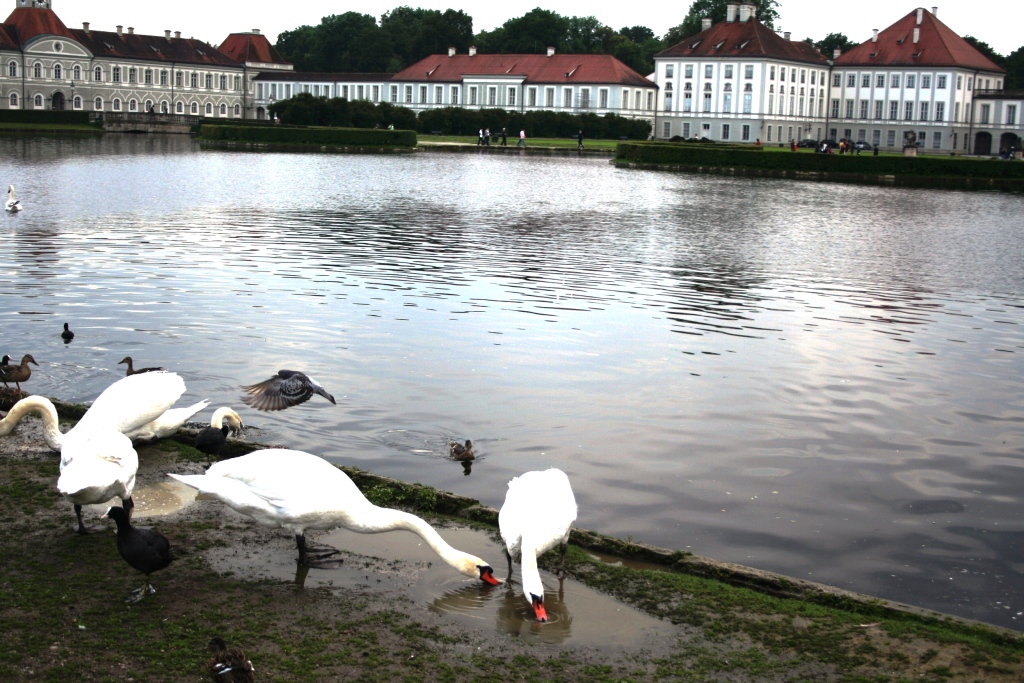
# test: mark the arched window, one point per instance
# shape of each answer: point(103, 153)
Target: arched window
point(209, 109)
point(77, 73)
point(164, 108)
point(12, 69)
point(116, 74)
point(223, 110)
point(58, 71)
point(97, 75)
point(14, 100)
point(39, 101)
point(195, 108)
point(117, 104)
point(238, 110)
point(149, 106)
point(179, 108)
point(98, 104)
point(37, 70)
point(133, 105)
point(78, 102)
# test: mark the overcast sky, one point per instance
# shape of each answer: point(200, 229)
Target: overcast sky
point(992, 21)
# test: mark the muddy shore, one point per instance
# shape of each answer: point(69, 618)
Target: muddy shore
point(394, 612)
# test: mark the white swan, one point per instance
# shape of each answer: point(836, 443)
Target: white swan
point(538, 513)
point(12, 205)
point(167, 424)
point(45, 409)
point(211, 439)
point(299, 491)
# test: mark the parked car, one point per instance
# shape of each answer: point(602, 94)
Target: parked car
point(862, 144)
point(811, 144)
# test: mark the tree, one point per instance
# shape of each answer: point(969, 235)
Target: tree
point(1015, 70)
point(767, 14)
point(296, 46)
point(417, 33)
point(533, 32)
point(831, 42)
point(986, 49)
point(638, 34)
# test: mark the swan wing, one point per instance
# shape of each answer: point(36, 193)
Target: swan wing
point(538, 512)
point(167, 424)
point(235, 494)
point(96, 465)
point(134, 401)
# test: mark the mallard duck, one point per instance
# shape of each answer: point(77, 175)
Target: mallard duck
point(297, 491)
point(147, 550)
point(18, 373)
point(67, 335)
point(229, 664)
point(12, 205)
point(460, 452)
point(211, 439)
point(285, 389)
point(537, 515)
point(133, 371)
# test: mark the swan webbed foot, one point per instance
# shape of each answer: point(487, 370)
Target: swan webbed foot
point(82, 529)
point(317, 556)
point(324, 562)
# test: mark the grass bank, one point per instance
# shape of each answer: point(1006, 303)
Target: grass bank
point(889, 169)
point(64, 617)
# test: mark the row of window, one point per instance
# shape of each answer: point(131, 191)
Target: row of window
point(728, 72)
point(132, 105)
point(797, 105)
point(922, 111)
point(779, 134)
point(117, 75)
point(910, 81)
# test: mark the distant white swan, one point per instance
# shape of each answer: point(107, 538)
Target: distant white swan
point(12, 205)
point(299, 491)
point(537, 515)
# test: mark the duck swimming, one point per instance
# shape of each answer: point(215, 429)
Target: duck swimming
point(67, 335)
point(285, 389)
point(132, 371)
point(12, 205)
point(18, 373)
point(213, 438)
point(537, 515)
point(147, 550)
point(460, 452)
point(298, 491)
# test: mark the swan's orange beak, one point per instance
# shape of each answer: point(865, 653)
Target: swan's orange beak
point(487, 576)
point(538, 608)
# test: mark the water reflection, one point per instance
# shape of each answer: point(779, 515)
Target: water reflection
point(761, 371)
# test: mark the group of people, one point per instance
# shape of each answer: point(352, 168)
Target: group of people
point(484, 138)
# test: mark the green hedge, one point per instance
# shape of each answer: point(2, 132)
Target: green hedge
point(308, 110)
point(692, 155)
point(40, 116)
point(537, 124)
point(342, 137)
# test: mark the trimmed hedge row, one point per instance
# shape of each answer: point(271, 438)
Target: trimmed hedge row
point(39, 116)
point(537, 124)
point(690, 155)
point(342, 137)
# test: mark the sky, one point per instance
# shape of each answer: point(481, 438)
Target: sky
point(212, 21)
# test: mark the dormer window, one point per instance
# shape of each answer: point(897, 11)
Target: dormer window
point(743, 45)
point(718, 46)
point(694, 46)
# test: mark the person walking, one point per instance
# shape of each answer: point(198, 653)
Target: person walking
point(504, 138)
point(579, 140)
point(480, 138)
point(522, 139)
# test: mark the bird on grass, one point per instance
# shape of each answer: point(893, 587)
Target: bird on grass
point(144, 549)
point(460, 452)
point(211, 439)
point(285, 389)
point(12, 205)
point(132, 371)
point(67, 335)
point(537, 515)
point(18, 373)
point(229, 664)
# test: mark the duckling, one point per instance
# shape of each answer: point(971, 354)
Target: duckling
point(144, 549)
point(460, 452)
point(229, 664)
point(285, 389)
point(67, 335)
point(213, 438)
point(18, 373)
point(132, 371)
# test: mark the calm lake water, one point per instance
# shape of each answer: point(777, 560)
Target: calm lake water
point(815, 379)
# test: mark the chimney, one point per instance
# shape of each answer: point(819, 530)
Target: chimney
point(472, 50)
point(935, 11)
point(551, 52)
point(177, 35)
point(451, 52)
point(119, 30)
point(730, 12)
point(255, 31)
point(874, 38)
point(85, 26)
point(706, 23)
point(786, 35)
point(920, 15)
point(917, 35)
point(131, 30)
point(836, 52)
point(167, 35)
point(747, 11)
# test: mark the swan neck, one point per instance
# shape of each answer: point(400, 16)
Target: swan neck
point(410, 522)
point(44, 408)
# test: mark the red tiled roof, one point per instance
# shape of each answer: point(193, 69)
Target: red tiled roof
point(937, 45)
point(8, 38)
point(536, 68)
point(251, 47)
point(321, 76)
point(738, 39)
point(30, 22)
point(152, 48)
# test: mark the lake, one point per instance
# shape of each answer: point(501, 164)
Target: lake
point(816, 379)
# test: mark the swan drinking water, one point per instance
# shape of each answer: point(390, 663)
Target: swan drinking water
point(297, 491)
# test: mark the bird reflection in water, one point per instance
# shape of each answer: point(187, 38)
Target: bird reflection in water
point(513, 615)
point(467, 467)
